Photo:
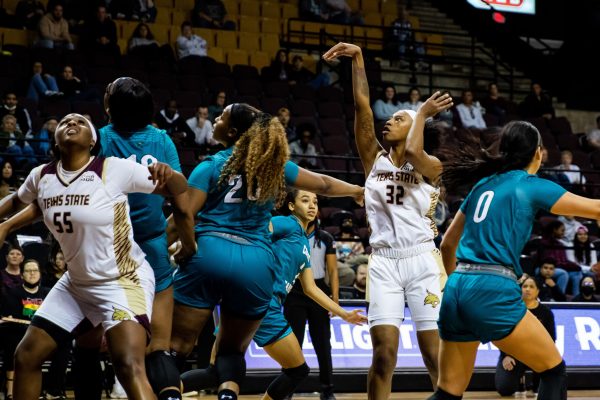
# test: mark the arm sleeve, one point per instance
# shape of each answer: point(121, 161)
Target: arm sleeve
point(202, 176)
point(543, 194)
point(129, 177)
point(28, 191)
point(171, 154)
point(291, 173)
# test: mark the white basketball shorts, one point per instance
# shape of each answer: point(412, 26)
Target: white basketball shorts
point(107, 303)
point(415, 275)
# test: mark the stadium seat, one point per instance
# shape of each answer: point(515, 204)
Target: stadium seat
point(16, 36)
point(179, 17)
point(581, 159)
point(237, 56)
point(273, 104)
point(270, 25)
point(368, 6)
point(306, 123)
point(358, 36)
point(162, 32)
point(244, 72)
point(270, 10)
point(389, 7)
point(260, 59)
point(232, 7)
point(361, 216)
point(249, 24)
point(163, 16)
point(353, 4)
point(194, 83)
point(56, 107)
point(248, 99)
point(548, 140)
point(560, 126)
point(330, 109)
point(227, 40)
point(188, 98)
point(249, 87)
point(337, 145)
point(327, 212)
point(330, 93)
point(186, 5)
point(221, 83)
point(250, 8)
point(94, 109)
point(277, 89)
point(303, 108)
point(162, 81)
point(164, 3)
point(204, 33)
point(190, 66)
point(567, 142)
point(338, 30)
point(216, 54)
point(388, 20)
point(269, 43)
point(289, 11)
point(335, 164)
point(373, 19)
point(303, 92)
point(217, 69)
point(249, 41)
point(333, 127)
point(311, 32)
point(374, 38)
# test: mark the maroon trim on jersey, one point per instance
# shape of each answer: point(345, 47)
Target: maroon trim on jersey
point(49, 169)
point(95, 166)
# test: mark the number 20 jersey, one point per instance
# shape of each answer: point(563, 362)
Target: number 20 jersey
point(400, 205)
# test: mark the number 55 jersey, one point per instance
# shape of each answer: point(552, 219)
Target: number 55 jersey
point(87, 212)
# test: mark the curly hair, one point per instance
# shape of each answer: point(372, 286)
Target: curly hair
point(260, 154)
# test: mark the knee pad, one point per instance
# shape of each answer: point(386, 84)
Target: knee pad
point(286, 383)
point(297, 373)
point(231, 367)
point(162, 371)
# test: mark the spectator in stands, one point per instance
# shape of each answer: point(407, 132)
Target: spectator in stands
point(142, 40)
point(298, 74)
point(19, 304)
point(572, 171)
point(587, 288)
point(41, 84)
point(283, 115)
point(11, 275)
point(509, 370)
point(280, 66)
point(360, 282)
point(144, 10)
point(339, 12)
point(404, 43)
point(571, 228)
point(46, 137)
point(497, 105)
point(73, 88)
point(202, 128)
point(584, 252)
point(218, 105)
point(101, 34)
point(8, 179)
point(313, 10)
point(558, 177)
point(29, 13)
point(553, 247)
point(384, 108)
point(12, 141)
point(56, 268)
point(414, 100)
point(348, 243)
point(211, 14)
point(537, 103)
point(11, 106)
point(592, 138)
point(469, 111)
point(548, 282)
point(54, 30)
point(170, 120)
point(189, 44)
point(302, 151)
point(442, 211)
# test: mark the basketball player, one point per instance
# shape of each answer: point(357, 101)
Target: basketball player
point(482, 299)
point(128, 102)
point(291, 249)
point(401, 193)
point(83, 200)
point(233, 192)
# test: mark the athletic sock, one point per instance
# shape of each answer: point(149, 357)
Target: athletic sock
point(227, 394)
point(441, 394)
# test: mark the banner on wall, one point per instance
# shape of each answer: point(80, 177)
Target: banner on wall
point(577, 339)
point(516, 6)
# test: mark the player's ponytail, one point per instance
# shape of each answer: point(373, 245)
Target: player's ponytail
point(468, 163)
point(260, 154)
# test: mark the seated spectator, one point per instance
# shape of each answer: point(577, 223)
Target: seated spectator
point(384, 108)
point(509, 370)
point(414, 100)
point(339, 12)
point(10, 276)
point(142, 39)
point(144, 10)
point(46, 137)
point(571, 228)
point(470, 112)
point(169, 119)
point(56, 268)
point(592, 138)
point(280, 67)
point(189, 44)
point(283, 115)
point(54, 30)
point(558, 177)
point(403, 44)
point(218, 105)
point(12, 141)
point(18, 306)
point(12, 107)
point(549, 290)
point(553, 247)
point(497, 105)
point(587, 288)
point(101, 34)
point(73, 88)
point(8, 179)
point(29, 13)
point(348, 243)
point(302, 151)
point(313, 10)
point(536, 104)
point(572, 171)
point(202, 128)
point(583, 253)
point(211, 14)
point(298, 74)
point(358, 290)
point(41, 84)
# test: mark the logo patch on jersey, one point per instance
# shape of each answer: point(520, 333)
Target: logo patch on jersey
point(432, 299)
point(120, 315)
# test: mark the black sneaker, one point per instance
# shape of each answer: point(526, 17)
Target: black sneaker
point(327, 394)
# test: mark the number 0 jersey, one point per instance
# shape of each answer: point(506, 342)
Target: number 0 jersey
point(89, 215)
point(400, 205)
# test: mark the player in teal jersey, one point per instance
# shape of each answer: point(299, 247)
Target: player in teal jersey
point(482, 300)
point(291, 249)
point(233, 193)
point(130, 135)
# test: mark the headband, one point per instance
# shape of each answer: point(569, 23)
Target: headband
point(412, 113)
point(92, 129)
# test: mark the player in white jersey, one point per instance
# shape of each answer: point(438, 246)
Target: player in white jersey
point(401, 192)
point(83, 200)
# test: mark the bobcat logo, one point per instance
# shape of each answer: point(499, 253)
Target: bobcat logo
point(432, 299)
point(120, 315)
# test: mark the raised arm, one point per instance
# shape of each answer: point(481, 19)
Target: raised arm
point(427, 165)
point(326, 185)
point(364, 126)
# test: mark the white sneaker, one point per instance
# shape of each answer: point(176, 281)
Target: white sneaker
point(117, 391)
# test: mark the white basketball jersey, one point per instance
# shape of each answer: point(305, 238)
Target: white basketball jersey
point(400, 205)
point(89, 216)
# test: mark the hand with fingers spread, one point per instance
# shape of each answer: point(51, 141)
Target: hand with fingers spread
point(437, 103)
point(341, 50)
point(160, 173)
point(354, 317)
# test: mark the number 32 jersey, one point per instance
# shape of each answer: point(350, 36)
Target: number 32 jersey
point(89, 215)
point(400, 205)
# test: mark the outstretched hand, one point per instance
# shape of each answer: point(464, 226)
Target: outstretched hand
point(437, 103)
point(355, 317)
point(341, 50)
point(160, 173)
